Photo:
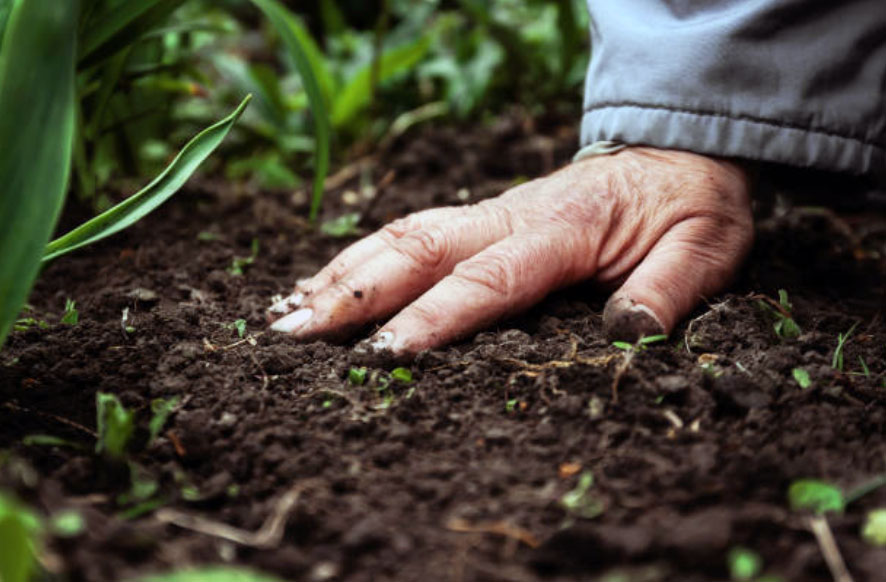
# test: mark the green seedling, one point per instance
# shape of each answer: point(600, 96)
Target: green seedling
point(206, 236)
point(580, 501)
point(71, 315)
point(342, 226)
point(240, 263)
point(802, 377)
point(239, 326)
point(641, 344)
point(403, 375)
point(816, 496)
point(874, 529)
point(68, 523)
point(511, 405)
point(19, 532)
point(209, 574)
point(27, 323)
point(785, 326)
point(864, 367)
point(744, 564)
point(837, 360)
point(160, 411)
point(357, 376)
point(116, 425)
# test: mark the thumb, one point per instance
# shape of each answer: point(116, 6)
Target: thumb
point(693, 260)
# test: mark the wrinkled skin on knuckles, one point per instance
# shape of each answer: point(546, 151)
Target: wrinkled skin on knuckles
point(665, 229)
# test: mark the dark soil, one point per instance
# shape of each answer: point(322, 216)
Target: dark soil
point(459, 474)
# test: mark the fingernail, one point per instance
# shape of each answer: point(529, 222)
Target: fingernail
point(285, 306)
point(293, 321)
point(626, 320)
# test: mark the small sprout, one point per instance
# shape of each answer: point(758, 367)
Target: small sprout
point(115, 425)
point(142, 486)
point(47, 440)
point(240, 263)
point(579, 501)
point(744, 564)
point(864, 367)
point(357, 376)
point(19, 532)
point(641, 344)
point(837, 360)
point(27, 323)
point(410, 393)
point(124, 318)
point(67, 524)
point(327, 403)
point(206, 236)
point(802, 377)
point(511, 405)
point(402, 375)
point(344, 225)
point(232, 490)
point(190, 493)
point(238, 325)
point(816, 496)
point(71, 315)
point(129, 329)
point(160, 411)
point(874, 529)
point(785, 327)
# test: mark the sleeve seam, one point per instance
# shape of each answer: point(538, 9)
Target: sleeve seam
point(737, 117)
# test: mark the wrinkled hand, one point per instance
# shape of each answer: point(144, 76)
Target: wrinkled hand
point(669, 227)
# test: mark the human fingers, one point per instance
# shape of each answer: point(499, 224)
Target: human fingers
point(503, 279)
point(410, 261)
point(693, 260)
point(358, 254)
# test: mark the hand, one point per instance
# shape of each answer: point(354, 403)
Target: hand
point(669, 227)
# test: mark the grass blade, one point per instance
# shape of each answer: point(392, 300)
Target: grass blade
point(288, 28)
point(5, 9)
point(115, 28)
point(139, 205)
point(37, 102)
point(357, 94)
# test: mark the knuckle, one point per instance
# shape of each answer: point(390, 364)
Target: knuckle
point(426, 248)
point(496, 273)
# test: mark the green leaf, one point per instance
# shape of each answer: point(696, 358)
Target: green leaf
point(18, 531)
point(115, 425)
point(744, 564)
point(357, 94)
point(802, 377)
point(402, 375)
point(5, 9)
point(67, 524)
point(357, 376)
point(623, 345)
point(580, 501)
point(120, 26)
point(288, 28)
point(342, 226)
point(46, 440)
point(160, 411)
point(139, 205)
point(651, 339)
point(36, 139)
point(874, 529)
point(71, 316)
point(816, 496)
point(210, 574)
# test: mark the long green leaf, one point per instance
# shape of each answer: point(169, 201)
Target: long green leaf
point(139, 205)
point(357, 94)
point(37, 114)
point(5, 9)
point(287, 27)
point(119, 26)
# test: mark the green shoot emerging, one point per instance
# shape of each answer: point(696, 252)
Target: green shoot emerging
point(115, 425)
point(816, 496)
point(19, 529)
point(641, 344)
point(239, 326)
point(744, 564)
point(874, 529)
point(344, 225)
point(239, 263)
point(160, 410)
point(580, 501)
point(837, 360)
point(357, 376)
point(403, 375)
point(802, 377)
point(71, 316)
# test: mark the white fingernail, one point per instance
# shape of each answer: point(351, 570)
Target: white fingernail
point(287, 305)
point(293, 321)
point(643, 309)
point(382, 340)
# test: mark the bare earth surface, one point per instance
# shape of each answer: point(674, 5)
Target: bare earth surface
point(459, 474)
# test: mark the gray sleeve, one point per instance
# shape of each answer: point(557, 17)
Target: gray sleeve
point(797, 82)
